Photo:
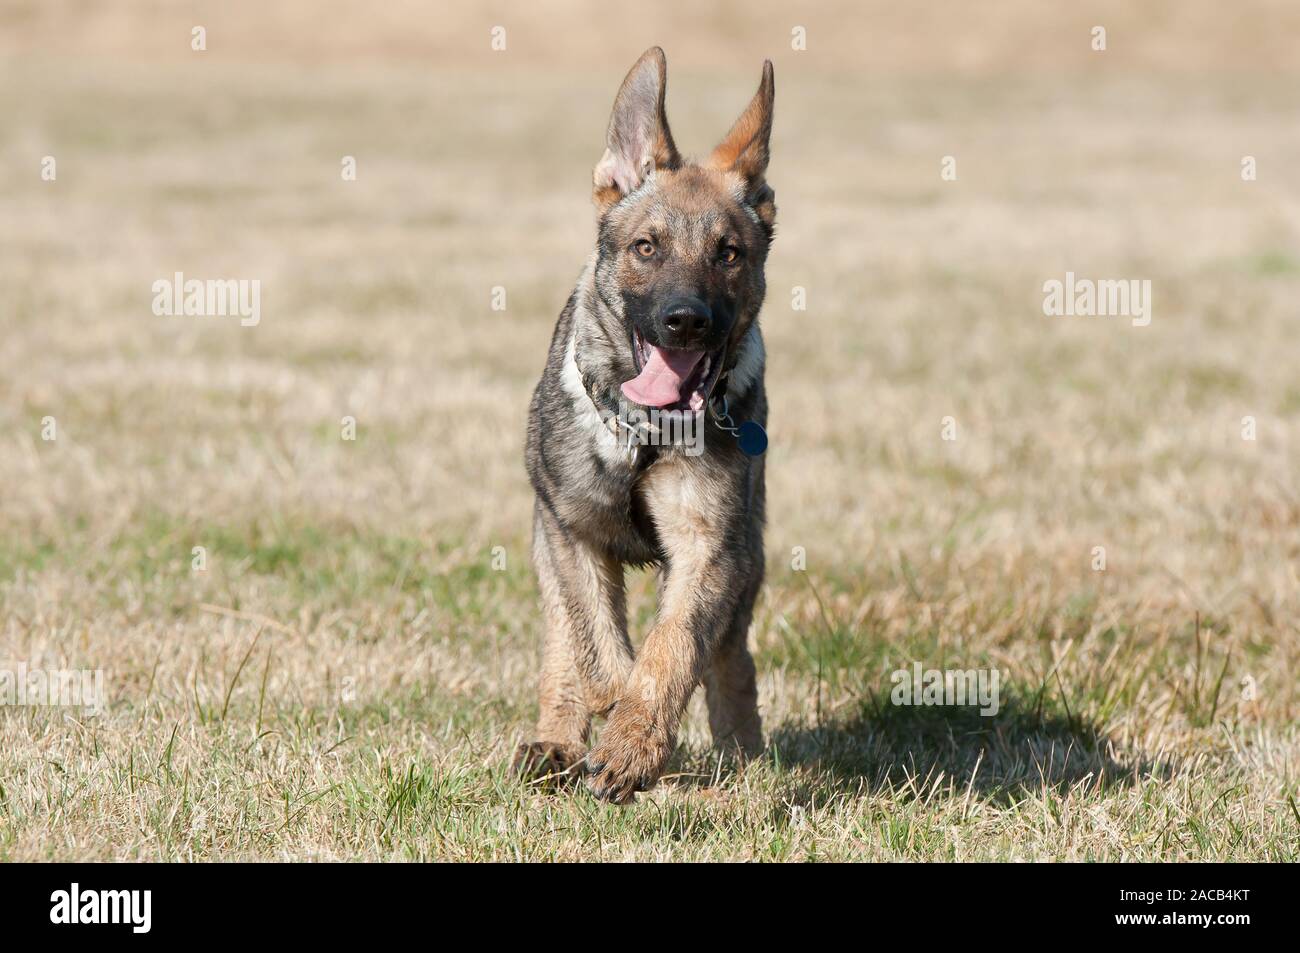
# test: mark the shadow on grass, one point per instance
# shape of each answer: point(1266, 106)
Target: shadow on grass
point(1001, 758)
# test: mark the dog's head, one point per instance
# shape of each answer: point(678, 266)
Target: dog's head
point(682, 244)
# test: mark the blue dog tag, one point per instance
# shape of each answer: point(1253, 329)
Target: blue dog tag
point(752, 439)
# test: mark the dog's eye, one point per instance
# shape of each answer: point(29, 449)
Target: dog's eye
point(645, 248)
point(729, 255)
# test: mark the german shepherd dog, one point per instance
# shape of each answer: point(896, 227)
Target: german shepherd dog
point(663, 319)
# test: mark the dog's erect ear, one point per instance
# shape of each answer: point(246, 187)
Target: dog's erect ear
point(638, 140)
point(745, 149)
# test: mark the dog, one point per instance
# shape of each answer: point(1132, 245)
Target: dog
point(663, 323)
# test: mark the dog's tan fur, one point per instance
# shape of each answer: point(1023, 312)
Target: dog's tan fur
point(699, 518)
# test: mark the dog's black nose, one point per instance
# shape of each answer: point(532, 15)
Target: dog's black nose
point(685, 322)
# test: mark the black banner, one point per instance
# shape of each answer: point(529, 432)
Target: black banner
point(962, 902)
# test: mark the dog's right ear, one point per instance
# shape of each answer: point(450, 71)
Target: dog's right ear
point(745, 149)
point(638, 140)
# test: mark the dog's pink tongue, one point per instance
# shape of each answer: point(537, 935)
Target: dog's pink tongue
point(660, 381)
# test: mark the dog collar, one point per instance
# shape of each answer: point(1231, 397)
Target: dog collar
point(750, 435)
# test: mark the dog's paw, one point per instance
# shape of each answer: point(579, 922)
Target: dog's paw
point(630, 756)
point(550, 763)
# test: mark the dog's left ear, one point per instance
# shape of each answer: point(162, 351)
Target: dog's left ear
point(745, 149)
point(638, 140)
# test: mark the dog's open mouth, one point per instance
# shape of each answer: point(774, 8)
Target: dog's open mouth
point(671, 378)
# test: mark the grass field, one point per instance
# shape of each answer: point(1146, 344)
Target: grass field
point(348, 676)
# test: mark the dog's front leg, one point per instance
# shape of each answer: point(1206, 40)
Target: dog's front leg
point(586, 655)
point(695, 513)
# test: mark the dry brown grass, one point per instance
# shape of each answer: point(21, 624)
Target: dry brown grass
point(374, 717)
